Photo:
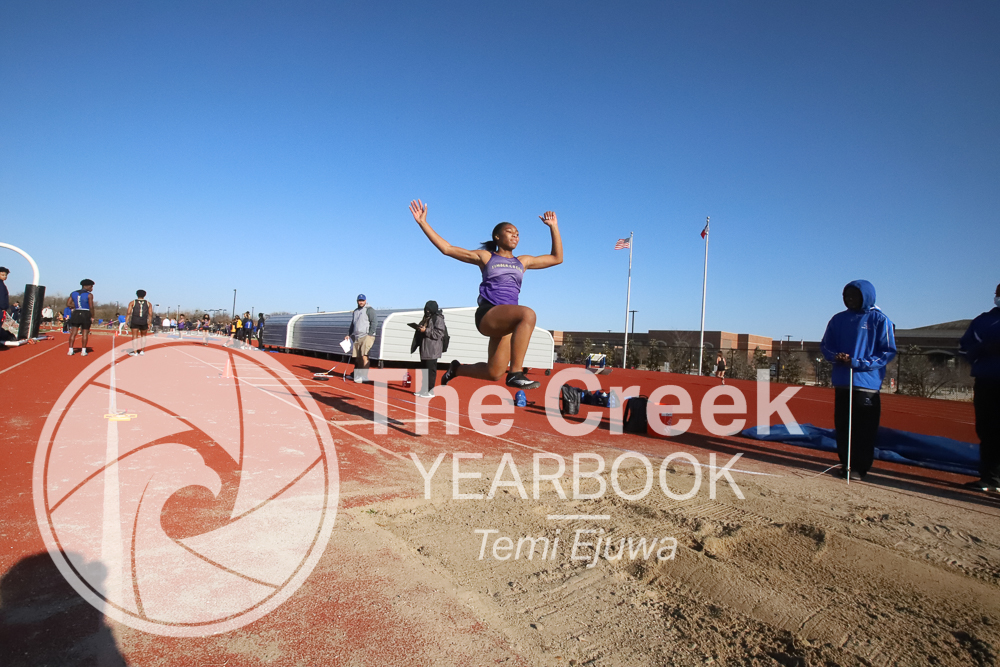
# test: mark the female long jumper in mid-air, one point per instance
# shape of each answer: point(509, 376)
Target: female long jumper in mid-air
point(508, 325)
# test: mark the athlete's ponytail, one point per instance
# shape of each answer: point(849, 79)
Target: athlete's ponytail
point(492, 244)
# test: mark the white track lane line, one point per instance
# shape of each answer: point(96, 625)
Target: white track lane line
point(111, 534)
point(299, 407)
point(10, 368)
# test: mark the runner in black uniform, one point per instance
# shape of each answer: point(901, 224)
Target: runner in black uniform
point(139, 317)
point(83, 304)
point(720, 367)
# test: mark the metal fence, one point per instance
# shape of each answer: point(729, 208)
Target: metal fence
point(915, 372)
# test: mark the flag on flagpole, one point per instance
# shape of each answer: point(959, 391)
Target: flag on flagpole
point(623, 243)
point(704, 232)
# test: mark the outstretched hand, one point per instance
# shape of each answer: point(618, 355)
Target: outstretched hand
point(419, 211)
point(549, 218)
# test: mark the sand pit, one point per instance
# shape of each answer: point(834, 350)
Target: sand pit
point(901, 569)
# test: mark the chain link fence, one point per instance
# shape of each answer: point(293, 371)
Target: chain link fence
point(914, 371)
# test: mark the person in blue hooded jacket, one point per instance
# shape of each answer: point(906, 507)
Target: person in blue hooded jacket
point(860, 338)
point(981, 346)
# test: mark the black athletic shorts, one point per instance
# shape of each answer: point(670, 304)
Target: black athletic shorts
point(139, 326)
point(484, 307)
point(80, 319)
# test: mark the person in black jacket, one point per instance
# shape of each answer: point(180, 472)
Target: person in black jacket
point(981, 346)
point(4, 302)
point(430, 336)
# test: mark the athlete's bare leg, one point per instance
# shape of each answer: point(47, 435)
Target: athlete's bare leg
point(509, 329)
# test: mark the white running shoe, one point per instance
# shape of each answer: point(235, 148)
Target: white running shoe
point(70, 353)
point(83, 352)
point(142, 353)
point(132, 353)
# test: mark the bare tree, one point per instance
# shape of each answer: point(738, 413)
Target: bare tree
point(657, 355)
point(791, 371)
point(919, 376)
point(681, 359)
point(823, 370)
point(739, 367)
point(568, 350)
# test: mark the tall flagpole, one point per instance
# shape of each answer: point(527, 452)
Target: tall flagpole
point(704, 290)
point(628, 298)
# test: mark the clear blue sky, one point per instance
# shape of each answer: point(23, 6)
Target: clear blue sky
point(191, 148)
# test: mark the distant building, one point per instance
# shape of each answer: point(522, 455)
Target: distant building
point(937, 341)
point(714, 340)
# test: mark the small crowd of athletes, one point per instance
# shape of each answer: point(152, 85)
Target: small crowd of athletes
point(139, 318)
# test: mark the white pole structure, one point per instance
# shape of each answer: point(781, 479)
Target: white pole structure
point(34, 267)
point(704, 289)
point(628, 299)
point(850, 422)
point(33, 293)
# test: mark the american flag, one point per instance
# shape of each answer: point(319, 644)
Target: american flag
point(623, 243)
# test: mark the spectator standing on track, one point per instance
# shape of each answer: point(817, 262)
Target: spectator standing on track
point(140, 316)
point(861, 339)
point(181, 325)
point(4, 302)
point(4, 294)
point(247, 329)
point(720, 367)
point(66, 314)
point(83, 305)
point(981, 346)
point(364, 324)
point(430, 335)
point(121, 323)
point(260, 331)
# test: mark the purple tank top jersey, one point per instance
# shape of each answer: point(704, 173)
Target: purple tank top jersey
point(501, 280)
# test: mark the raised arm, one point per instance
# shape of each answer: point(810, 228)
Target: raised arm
point(478, 257)
point(553, 258)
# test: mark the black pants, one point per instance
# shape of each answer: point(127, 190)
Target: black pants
point(432, 370)
point(867, 411)
point(986, 401)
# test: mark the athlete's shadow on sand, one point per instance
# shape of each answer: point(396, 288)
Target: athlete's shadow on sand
point(43, 621)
